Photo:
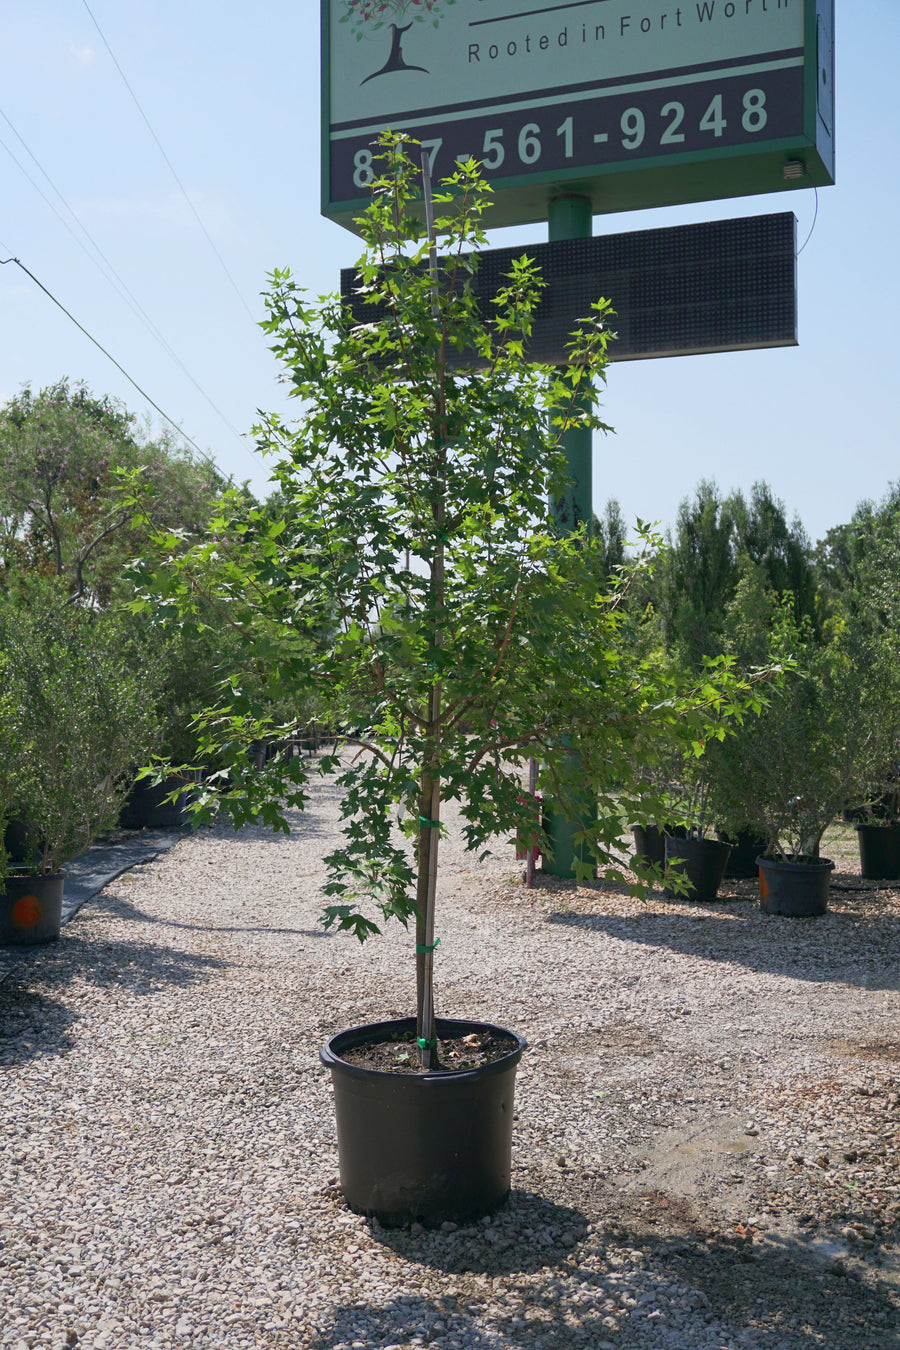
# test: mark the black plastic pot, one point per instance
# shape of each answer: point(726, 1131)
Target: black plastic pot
point(145, 806)
point(30, 909)
point(879, 851)
point(650, 841)
point(878, 811)
point(796, 889)
point(745, 849)
point(15, 842)
point(428, 1147)
point(701, 861)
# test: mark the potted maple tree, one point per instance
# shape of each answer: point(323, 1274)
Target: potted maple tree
point(467, 639)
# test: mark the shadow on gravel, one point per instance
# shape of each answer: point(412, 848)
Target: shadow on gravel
point(32, 1025)
point(309, 823)
point(33, 1021)
point(530, 1232)
point(618, 1287)
point(789, 1293)
point(865, 956)
point(123, 909)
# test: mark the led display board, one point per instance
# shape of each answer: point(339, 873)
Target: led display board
point(729, 285)
point(635, 103)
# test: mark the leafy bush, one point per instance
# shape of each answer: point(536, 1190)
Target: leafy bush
point(78, 713)
point(824, 734)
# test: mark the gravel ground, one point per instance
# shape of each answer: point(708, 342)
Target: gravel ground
point(705, 1155)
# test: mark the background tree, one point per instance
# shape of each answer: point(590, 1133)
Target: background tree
point(782, 552)
point(611, 533)
point(716, 541)
point(697, 574)
point(61, 514)
point(861, 554)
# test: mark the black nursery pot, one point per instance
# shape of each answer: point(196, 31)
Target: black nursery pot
point(879, 851)
point(701, 861)
point(146, 807)
point(796, 889)
point(31, 909)
point(428, 1147)
point(745, 849)
point(650, 841)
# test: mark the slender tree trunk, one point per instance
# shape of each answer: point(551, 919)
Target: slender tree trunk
point(429, 840)
point(429, 836)
point(430, 800)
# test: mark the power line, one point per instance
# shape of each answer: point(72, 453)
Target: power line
point(171, 168)
point(110, 274)
point(114, 278)
point(143, 393)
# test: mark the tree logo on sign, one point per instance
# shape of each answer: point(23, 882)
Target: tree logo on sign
point(370, 16)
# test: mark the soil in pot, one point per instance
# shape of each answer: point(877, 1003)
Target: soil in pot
point(398, 1053)
point(430, 1146)
point(701, 861)
point(879, 851)
point(30, 909)
point(798, 890)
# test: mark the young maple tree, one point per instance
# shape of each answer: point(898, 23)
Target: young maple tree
point(467, 637)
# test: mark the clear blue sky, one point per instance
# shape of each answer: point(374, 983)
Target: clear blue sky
point(231, 93)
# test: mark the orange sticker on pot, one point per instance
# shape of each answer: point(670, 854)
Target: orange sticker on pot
point(27, 911)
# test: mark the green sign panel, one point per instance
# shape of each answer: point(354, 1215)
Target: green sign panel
point(635, 103)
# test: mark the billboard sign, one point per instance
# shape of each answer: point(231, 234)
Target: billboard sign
point(636, 103)
point(685, 290)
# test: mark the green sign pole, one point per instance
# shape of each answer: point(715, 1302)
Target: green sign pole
point(571, 218)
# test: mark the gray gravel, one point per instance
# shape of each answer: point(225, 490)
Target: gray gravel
point(705, 1154)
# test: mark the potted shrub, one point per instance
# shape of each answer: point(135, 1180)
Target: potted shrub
point(713, 818)
point(696, 843)
point(870, 605)
point(468, 640)
point(698, 859)
point(726, 802)
point(878, 821)
point(687, 858)
point(6, 769)
point(185, 664)
point(76, 718)
point(791, 771)
point(878, 834)
point(650, 836)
